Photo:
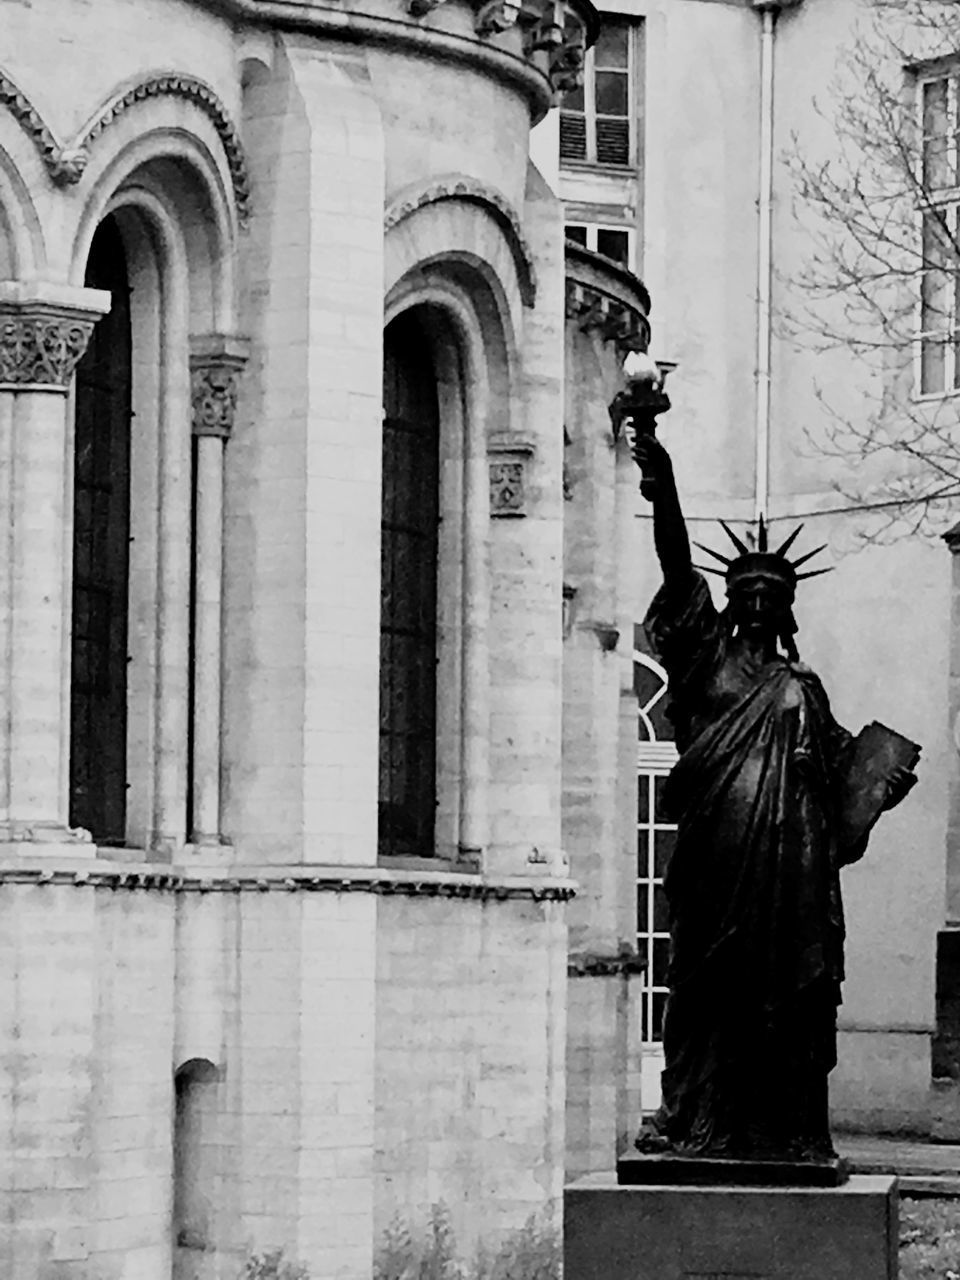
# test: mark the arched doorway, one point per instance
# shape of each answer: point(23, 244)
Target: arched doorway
point(101, 533)
point(408, 592)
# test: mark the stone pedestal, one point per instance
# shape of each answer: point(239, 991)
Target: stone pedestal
point(616, 1232)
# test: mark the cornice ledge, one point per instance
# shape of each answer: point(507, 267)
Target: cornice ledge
point(458, 186)
point(381, 881)
point(603, 295)
point(309, 15)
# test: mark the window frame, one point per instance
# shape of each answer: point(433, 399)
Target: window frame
point(945, 200)
point(633, 117)
point(655, 759)
point(592, 228)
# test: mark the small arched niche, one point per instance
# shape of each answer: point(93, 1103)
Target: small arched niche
point(196, 1171)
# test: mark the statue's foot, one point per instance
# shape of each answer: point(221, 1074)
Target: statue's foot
point(651, 1140)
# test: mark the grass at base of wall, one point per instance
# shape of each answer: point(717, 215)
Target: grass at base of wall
point(929, 1239)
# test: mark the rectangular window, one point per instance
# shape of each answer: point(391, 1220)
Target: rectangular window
point(613, 242)
point(938, 364)
point(598, 121)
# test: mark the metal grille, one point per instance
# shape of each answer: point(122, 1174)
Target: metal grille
point(101, 527)
point(408, 600)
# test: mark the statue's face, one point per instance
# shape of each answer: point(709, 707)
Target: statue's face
point(759, 607)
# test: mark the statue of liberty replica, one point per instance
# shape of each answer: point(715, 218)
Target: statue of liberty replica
point(772, 798)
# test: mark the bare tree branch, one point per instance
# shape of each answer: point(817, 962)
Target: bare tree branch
point(882, 213)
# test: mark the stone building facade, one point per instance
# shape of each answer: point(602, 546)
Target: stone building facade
point(329, 756)
point(282, 868)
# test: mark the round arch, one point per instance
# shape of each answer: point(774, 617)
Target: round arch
point(470, 356)
point(460, 246)
point(189, 194)
point(22, 248)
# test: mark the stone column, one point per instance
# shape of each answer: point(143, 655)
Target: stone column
point(216, 361)
point(44, 331)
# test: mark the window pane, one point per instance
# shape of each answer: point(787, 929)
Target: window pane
point(664, 843)
point(938, 254)
point(573, 100)
point(615, 245)
point(661, 960)
point(932, 362)
point(642, 921)
point(643, 798)
point(659, 783)
point(573, 232)
point(612, 44)
point(661, 913)
point(611, 90)
point(659, 1004)
point(936, 142)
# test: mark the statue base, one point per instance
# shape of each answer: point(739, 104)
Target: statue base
point(668, 1169)
point(620, 1232)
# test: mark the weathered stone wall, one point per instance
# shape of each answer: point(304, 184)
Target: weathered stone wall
point(471, 1020)
point(87, 1009)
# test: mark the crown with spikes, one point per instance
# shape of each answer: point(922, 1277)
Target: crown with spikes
point(762, 563)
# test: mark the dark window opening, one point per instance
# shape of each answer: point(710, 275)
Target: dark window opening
point(408, 593)
point(614, 244)
point(101, 533)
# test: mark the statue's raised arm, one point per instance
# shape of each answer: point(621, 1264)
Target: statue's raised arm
point(669, 528)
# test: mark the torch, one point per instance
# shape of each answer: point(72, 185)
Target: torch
point(634, 411)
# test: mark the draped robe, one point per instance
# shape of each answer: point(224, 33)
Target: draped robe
point(753, 888)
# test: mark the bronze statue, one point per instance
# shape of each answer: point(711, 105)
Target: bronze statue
point(772, 798)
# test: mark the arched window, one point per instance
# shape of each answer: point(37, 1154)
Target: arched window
point(101, 537)
point(656, 837)
point(408, 591)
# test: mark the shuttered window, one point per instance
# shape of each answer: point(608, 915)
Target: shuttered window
point(598, 122)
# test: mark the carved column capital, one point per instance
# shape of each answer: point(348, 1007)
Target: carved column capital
point(44, 331)
point(216, 362)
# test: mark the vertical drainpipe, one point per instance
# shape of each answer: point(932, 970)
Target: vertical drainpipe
point(769, 11)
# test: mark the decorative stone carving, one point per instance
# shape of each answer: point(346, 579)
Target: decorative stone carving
point(29, 120)
point(496, 16)
point(617, 321)
point(65, 163)
point(506, 488)
point(40, 346)
point(216, 363)
point(509, 455)
point(468, 190)
point(566, 65)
